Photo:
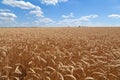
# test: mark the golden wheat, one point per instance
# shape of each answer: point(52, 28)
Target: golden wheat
point(59, 53)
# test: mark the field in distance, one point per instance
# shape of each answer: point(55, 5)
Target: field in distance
point(60, 53)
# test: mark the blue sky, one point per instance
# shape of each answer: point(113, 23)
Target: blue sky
point(59, 13)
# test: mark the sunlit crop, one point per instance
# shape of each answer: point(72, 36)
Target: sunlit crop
point(60, 54)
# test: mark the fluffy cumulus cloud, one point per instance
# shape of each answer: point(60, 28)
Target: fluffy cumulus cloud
point(87, 18)
point(44, 21)
point(52, 2)
point(77, 21)
point(6, 15)
point(37, 11)
point(19, 3)
point(5, 10)
point(114, 16)
point(68, 16)
point(24, 5)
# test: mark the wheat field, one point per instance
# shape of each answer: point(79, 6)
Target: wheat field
point(59, 53)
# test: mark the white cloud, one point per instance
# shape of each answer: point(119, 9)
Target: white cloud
point(44, 21)
point(48, 2)
point(37, 11)
point(7, 16)
point(4, 10)
point(68, 16)
point(114, 16)
point(52, 2)
point(78, 21)
point(19, 3)
point(87, 18)
point(24, 5)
